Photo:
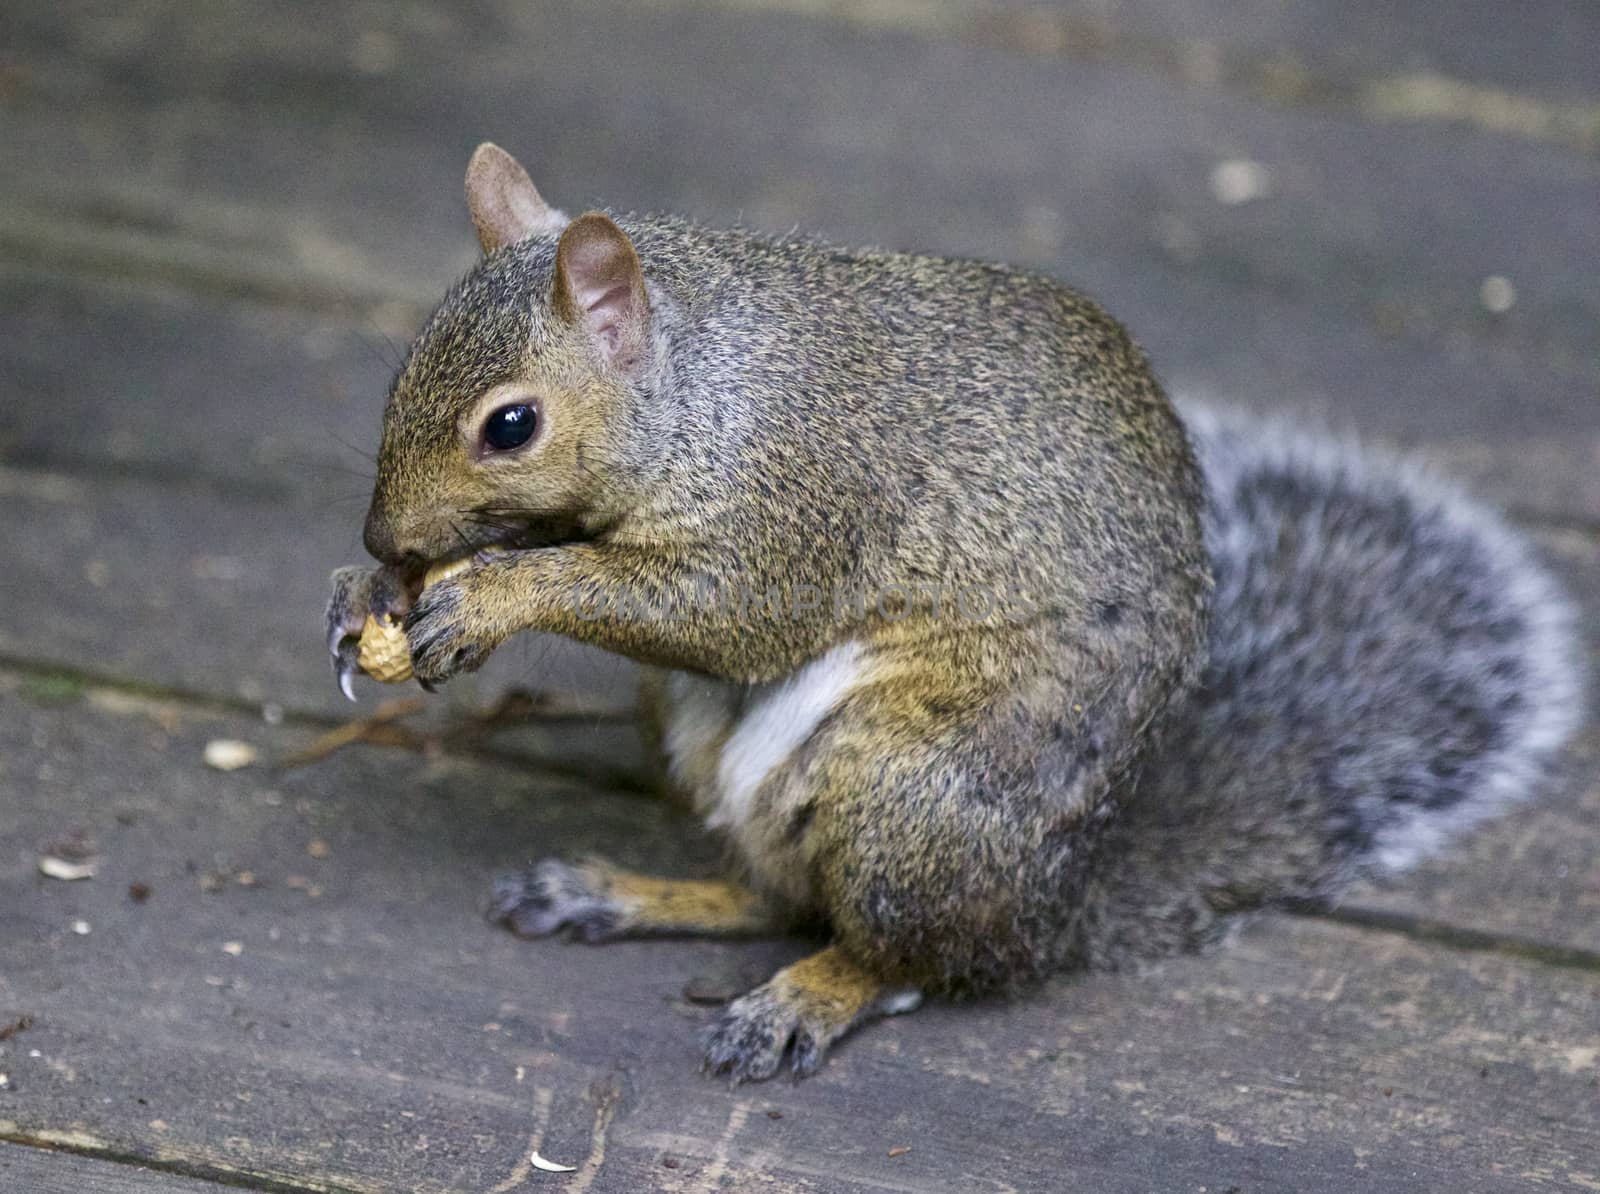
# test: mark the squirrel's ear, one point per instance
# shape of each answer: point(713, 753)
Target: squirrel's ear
point(600, 285)
point(506, 207)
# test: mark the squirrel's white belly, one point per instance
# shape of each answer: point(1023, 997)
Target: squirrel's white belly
point(758, 726)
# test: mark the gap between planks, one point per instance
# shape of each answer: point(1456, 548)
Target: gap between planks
point(80, 1144)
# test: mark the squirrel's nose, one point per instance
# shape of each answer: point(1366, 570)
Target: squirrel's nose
point(379, 537)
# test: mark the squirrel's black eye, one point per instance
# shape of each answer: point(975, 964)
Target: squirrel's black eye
point(510, 427)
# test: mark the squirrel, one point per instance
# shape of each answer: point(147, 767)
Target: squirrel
point(982, 657)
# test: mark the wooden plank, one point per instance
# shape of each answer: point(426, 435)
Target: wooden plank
point(1353, 290)
point(1539, 50)
point(1351, 206)
point(1312, 54)
point(43, 1171)
point(369, 1035)
point(1408, 204)
point(269, 402)
point(222, 597)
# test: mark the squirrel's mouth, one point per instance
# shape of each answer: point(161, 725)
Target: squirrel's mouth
point(491, 531)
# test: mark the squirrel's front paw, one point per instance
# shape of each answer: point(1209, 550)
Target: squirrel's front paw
point(554, 896)
point(358, 593)
point(446, 634)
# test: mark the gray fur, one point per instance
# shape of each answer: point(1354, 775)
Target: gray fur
point(1388, 665)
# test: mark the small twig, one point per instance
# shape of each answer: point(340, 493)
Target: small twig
point(515, 707)
point(359, 731)
point(519, 706)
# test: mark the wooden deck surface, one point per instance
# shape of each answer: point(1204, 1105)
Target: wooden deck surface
point(218, 222)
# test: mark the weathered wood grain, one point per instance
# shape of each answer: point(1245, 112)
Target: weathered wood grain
point(1539, 49)
point(1532, 59)
point(369, 1034)
point(243, 398)
point(1351, 291)
point(216, 595)
point(896, 106)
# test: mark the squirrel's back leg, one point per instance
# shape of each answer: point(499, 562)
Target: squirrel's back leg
point(938, 816)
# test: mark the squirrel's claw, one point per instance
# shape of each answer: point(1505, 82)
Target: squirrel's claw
point(345, 665)
point(348, 607)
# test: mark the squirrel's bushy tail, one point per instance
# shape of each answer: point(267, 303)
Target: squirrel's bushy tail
point(1388, 665)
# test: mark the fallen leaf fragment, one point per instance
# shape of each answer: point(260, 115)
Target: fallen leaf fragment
point(900, 1150)
point(229, 754)
point(52, 867)
point(539, 1162)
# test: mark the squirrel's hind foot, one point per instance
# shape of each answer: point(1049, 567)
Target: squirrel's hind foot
point(799, 1013)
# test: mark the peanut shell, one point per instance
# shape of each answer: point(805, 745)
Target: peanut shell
point(384, 655)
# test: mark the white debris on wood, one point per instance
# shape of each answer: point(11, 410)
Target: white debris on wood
point(1240, 180)
point(539, 1162)
point(52, 867)
point(229, 754)
point(1497, 294)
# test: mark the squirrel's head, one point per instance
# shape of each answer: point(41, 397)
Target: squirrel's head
point(518, 397)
